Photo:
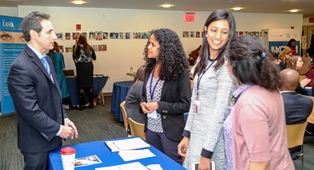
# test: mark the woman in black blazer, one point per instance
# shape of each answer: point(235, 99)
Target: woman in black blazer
point(166, 91)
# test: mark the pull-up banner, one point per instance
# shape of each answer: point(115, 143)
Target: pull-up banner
point(12, 44)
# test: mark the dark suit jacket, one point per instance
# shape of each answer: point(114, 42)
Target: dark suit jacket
point(297, 107)
point(37, 101)
point(175, 100)
point(132, 102)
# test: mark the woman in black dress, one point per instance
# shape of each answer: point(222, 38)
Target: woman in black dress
point(84, 56)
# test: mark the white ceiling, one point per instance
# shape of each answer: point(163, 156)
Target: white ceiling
point(306, 7)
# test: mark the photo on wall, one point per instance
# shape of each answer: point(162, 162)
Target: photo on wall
point(127, 35)
point(192, 34)
point(135, 35)
point(59, 35)
point(91, 35)
point(114, 35)
point(74, 34)
point(85, 34)
point(102, 47)
point(105, 35)
point(98, 35)
point(95, 47)
point(67, 36)
point(68, 49)
point(197, 34)
point(61, 49)
point(185, 34)
point(121, 35)
point(144, 35)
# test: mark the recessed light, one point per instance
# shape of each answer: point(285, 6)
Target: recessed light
point(78, 2)
point(237, 8)
point(166, 5)
point(294, 10)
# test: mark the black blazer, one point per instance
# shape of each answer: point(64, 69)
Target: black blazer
point(175, 100)
point(297, 107)
point(37, 101)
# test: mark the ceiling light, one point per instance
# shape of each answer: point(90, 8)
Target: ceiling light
point(294, 10)
point(237, 8)
point(166, 5)
point(78, 2)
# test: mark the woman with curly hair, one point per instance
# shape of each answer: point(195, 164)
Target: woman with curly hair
point(84, 56)
point(203, 138)
point(255, 130)
point(166, 91)
point(291, 45)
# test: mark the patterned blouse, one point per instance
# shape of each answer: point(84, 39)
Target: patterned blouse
point(154, 87)
point(228, 126)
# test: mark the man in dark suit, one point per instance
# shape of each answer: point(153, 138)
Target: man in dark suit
point(297, 107)
point(41, 119)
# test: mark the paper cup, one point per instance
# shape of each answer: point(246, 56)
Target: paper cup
point(68, 158)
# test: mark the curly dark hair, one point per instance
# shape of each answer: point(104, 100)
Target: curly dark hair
point(171, 54)
point(221, 14)
point(252, 63)
point(290, 41)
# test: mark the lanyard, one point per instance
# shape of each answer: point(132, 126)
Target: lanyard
point(200, 77)
point(150, 86)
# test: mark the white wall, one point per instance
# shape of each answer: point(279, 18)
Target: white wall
point(8, 11)
point(122, 54)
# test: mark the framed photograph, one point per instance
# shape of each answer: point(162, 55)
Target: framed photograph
point(127, 35)
point(102, 47)
point(197, 34)
point(114, 35)
point(240, 33)
point(68, 49)
point(192, 34)
point(104, 35)
point(91, 35)
point(144, 35)
point(135, 35)
point(59, 36)
point(74, 34)
point(85, 34)
point(121, 35)
point(67, 36)
point(61, 48)
point(95, 47)
point(98, 35)
point(185, 34)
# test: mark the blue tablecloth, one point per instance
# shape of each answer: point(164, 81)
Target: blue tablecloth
point(109, 158)
point(99, 83)
point(119, 92)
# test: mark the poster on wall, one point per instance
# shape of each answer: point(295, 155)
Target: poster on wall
point(12, 44)
point(279, 38)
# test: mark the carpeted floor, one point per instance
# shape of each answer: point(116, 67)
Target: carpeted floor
point(94, 124)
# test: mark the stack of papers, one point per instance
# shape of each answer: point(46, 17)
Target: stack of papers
point(126, 144)
point(129, 166)
point(129, 155)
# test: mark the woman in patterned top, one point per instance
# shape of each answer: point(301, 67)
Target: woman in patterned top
point(166, 91)
point(212, 91)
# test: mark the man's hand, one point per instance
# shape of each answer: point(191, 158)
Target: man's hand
point(69, 123)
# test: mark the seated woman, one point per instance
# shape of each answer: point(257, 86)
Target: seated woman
point(296, 63)
point(133, 99)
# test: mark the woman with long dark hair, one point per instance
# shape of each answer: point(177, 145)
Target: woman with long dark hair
point(84, 56)
point(255, 130)
point(203, 138)
point(291, 45)
point(166, 91)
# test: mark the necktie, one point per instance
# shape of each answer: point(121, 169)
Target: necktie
point(45, 62)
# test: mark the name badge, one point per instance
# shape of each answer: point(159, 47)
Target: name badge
point(152, 115)
point(196, 106)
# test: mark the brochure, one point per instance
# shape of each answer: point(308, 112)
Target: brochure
point(87, 160)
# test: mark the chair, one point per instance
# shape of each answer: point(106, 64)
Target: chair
point(137, 129)
point(125, 116)
point(310, 119)
point(295, 134)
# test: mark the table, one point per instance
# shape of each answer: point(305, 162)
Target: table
point(109, 158)
point(119, 92)
point(98, 84)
